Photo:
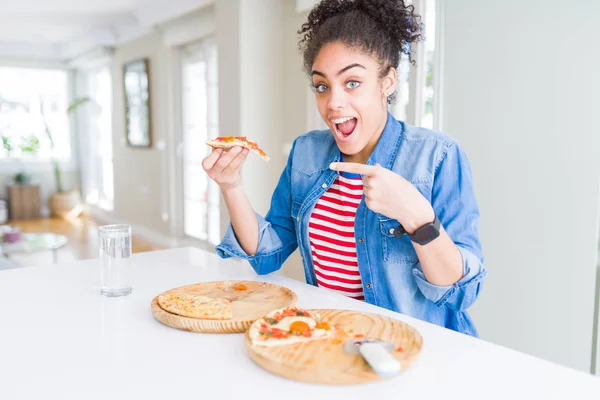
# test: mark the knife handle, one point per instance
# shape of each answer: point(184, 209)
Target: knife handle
point(380, 359)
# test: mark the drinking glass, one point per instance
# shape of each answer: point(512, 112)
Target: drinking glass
point(115, 260)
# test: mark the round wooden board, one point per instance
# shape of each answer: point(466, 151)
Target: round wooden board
point(324, 361)
point(257, 300)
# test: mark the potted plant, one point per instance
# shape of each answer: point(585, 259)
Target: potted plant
point(28, 145)
point(63, 203)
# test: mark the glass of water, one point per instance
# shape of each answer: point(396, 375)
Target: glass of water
point(115, 260)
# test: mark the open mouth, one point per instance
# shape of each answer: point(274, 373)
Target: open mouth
point(345, 126)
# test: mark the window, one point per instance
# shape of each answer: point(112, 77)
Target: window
point(401, 103)
point(415, 91)
point(29, 99)
point(199, 85)
point(429, 17)
point(97, 160)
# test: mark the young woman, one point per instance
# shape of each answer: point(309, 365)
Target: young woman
point(381, 211)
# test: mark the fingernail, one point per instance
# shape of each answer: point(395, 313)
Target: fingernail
point(333, 165)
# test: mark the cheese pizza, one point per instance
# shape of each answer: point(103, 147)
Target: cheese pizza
point(195, 306)
point(227, 142)
point(288, 326)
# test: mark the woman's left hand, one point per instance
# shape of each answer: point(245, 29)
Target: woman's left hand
point(390, 194)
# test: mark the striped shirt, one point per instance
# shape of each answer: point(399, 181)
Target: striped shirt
point(331, 235)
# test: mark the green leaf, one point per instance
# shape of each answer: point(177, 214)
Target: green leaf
point(6, 144)
point(77, 103)
point(30, 144)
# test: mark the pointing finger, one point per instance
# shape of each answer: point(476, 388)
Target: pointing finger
point(353, 168)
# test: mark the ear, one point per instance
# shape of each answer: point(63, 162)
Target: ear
point(389, 82)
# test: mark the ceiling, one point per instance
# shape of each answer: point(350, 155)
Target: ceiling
point(57, 21)
point(62, 28)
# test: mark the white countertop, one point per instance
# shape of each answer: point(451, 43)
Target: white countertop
point(60, 339)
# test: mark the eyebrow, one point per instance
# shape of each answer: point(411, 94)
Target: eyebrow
point(341, 71)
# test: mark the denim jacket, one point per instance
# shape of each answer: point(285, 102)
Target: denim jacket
point(389, 267)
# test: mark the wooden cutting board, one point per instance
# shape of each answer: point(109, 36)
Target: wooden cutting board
point(257, 300)
point(324, 361)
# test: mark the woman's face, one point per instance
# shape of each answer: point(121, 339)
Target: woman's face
point(352, 98)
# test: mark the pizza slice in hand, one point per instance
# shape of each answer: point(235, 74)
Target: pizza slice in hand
point(227, 142)
point(288, 326)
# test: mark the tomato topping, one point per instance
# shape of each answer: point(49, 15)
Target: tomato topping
point(227, 139)
point(290, 312)
point(279, 334)
point(323, 325)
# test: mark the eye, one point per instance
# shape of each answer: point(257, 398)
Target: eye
point(320, 88)
point(352, 84)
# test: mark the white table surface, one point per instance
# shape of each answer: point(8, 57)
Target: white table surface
point(60, 339)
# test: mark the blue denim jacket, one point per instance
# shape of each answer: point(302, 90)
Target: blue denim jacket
point(390, 270)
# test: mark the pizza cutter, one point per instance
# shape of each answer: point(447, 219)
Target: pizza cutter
point(376, 353)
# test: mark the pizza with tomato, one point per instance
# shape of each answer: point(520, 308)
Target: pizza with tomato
point(288, 326)
point(227, 142)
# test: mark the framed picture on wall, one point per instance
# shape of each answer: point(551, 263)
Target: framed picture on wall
point(138, 123)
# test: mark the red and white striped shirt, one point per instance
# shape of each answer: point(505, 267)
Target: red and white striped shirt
point(331, 235)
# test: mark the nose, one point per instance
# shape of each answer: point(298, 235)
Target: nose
point(337, 99)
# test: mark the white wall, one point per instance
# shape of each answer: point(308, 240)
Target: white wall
point(141, 174)
point(296, 110)
point(251, 79)
point(521, 83)
point(263, 91)
point(262, 95)
point(146, 181)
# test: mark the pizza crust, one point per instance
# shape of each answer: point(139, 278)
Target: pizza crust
point(195, 306)
point(228, 142)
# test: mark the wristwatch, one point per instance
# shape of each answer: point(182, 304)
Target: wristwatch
point(425, 234)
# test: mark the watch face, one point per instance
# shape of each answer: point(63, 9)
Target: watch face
point(426, 234)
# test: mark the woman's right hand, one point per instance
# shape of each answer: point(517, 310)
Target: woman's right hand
point(223, 167)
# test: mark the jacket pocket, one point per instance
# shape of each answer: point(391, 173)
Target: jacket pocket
point(395, 249)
